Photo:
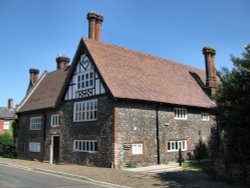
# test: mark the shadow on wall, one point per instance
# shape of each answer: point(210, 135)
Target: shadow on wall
point(203, 153)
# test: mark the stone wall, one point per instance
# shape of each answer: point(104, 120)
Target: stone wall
point(68, 131)
point(137, 124)
point(134, 122)
point(25, 135)
point(100, 130)
point(193, 130)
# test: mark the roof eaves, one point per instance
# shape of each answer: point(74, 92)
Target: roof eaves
point(213, 104)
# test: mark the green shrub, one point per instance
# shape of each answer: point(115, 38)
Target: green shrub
point(131, 165)
point(188, 165)
point(7, 139)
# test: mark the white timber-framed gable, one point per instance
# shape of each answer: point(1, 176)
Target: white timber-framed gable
point(85, 81)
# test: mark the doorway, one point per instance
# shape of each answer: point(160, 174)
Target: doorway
point(55, 149)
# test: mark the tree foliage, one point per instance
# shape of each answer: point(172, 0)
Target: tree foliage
point(7, 139)
point(233, 110)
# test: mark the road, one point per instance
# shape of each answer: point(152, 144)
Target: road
point(11, 177)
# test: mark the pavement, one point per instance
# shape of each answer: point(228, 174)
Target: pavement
point(155, 176)
point(155, 169)
point(108, 176)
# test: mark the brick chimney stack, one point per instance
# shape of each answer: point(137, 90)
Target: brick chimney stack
point(209, 54)
point(62, 62)
point(34, 76)
point(95, 23)
point(10, 103)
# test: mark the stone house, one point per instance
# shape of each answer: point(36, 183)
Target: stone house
point(7, 117)
point(114, 106)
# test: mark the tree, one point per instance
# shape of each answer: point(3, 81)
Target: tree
point(233, 109)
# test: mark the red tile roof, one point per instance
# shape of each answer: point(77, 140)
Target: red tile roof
point(134, 75)
point(128, 74)
point(45, 93)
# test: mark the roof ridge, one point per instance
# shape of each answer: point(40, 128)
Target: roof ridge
point(54, 71)
point(143, 53)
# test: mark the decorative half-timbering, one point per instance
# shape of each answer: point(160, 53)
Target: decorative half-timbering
point(85, 81)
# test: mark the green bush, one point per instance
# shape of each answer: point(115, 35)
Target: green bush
point(7, 146)
point(7, 139)
point(189, 165)
point(131, 165)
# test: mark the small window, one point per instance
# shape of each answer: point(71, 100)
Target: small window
point(34, 147)
point(137, 149)
point(205, 116)
point(6, 125)
point(55, 120)
point(35, 123)
point(176, 145)
point(180, 113)
point(85, 146)
point(85, 111)
point(85, 80)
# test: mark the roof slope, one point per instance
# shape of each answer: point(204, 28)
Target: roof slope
point(134, 75)
point(46, 92)
point(6, 113)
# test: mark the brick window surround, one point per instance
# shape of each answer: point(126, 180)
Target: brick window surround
point(137, 149)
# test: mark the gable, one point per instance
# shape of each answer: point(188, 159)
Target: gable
point(45, 93)
point(85, 81)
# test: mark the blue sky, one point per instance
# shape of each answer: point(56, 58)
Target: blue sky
point(34, 32)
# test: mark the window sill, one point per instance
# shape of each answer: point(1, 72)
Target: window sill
point(53, 126)
point(83, 120)
point(35, 129)
point(171, 151)
point(91, 152)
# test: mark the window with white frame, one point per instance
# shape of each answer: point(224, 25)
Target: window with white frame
point(85, 111)
point(180, 113)
point(137, 149)
point(85, 145)
point(35, 123)
point(205, 116)
point(6, 125)
point(176, 145)
point(85, 80)
point(55, 120)
point(34, 147)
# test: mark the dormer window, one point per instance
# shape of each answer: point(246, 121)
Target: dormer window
point(85, 80)
point(180, 113)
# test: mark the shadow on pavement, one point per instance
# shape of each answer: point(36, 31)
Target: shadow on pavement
point(189, 179)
